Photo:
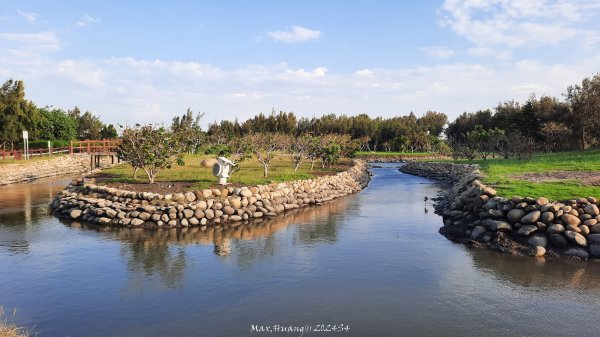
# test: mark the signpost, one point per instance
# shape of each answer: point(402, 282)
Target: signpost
point(26, 144)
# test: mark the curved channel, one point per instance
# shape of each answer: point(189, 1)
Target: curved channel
point(373, 261)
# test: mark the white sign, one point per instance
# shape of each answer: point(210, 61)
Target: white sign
point(25, 135)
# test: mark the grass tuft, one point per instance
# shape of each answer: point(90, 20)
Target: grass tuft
point(8, 329)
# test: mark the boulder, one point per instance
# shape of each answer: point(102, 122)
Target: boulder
point(188, 213)
point(190, 196)
point(144, 216)
point(576, 238)
point(538, 240)
point(531, 217)
point(527, 229)
point(555, 229)
point(541, 201)
point(539, 251)
point(547, 217)
point(75, 213)
point(584, 230)
point(515, 215)
point(593, 238)
point(137, 222)
point(569, 219)
point(577, 252)
point(557, 240)
point(496, 225)
point(595, 249)
point(209, 162)
point(591, 209)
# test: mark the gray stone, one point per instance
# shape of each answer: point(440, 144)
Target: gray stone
point(496, 225)
point(144, 216)
point(515, 215)
point(555, 229)
point(578, 252)
point(190, 196)
point(557, 240)
point(591, 209)
point(111, 213)
point(246, 193)
point(547, 217)
point(527, 229)
point(595, 249)
point(593, 238)
point(595, 229)
point(576, 238)
point(137, 222)
point(477, 232)
point(538, 239)
point(531, 217)
point(573, 228)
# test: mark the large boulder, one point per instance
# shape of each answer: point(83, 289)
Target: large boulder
point(531, 217)
point(569, 219)
point(576, 238)
point(547, 217)
point(515, 215)
point(477, 232)
point(591, 209)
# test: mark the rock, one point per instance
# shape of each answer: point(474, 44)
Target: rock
point(538, 239)
point(75, 213)
point(209, 162)
point(104, 221)
point(515, 215)
point(541, 226)
point(591, 209)
point(190, 196)
point(235, 218)
point(584, 230)
point(555, 229)
point(477, 232)
point(209, 214)
point(246, 193)
point(201, 205)
point(531, 217)
point(547, 217)
point(557, 240)
point(578, 252)
point(489, 191)
point(228, 210)
point(527, 229)
point(595, 249)
point(593, 238)
point(193, 221)
point(144, 216)
point(595, 229)
point(539, 251)
point(111, 213)
point(541, 201)
point(137, 222)
point(569, 219)
point(576, 238)
point(188, 213)
point(496, 225)
point(590, 222)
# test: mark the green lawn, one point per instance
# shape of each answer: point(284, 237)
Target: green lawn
point(250, 173)
point(394, 154)
point(501, 173)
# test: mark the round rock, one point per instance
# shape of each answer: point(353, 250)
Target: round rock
point(576, 238)
point(531, 217)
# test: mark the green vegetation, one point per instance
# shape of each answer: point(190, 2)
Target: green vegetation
point(31, 159)
point(558, 175)
point(251, 172)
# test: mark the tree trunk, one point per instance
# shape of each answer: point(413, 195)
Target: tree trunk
point(312, 164)
point(135, 171)
point(266, 170)
point(297, 166)
point(582, 139)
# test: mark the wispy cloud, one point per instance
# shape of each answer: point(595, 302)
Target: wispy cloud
point(31, 17)
point(47, 40)
point(437, 52)
point(87, 20)
point(516, 23)
point(297, 34)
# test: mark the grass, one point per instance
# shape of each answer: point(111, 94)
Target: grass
point(394, 154)
point(503, 174)
point(8, 329)
point(250, 173)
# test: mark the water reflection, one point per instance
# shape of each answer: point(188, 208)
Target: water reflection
point(160, 252)
point(22, 208)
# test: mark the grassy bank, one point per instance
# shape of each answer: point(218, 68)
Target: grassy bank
point(7, 329)
point(557, 176)
point(250, 173)
point(31, 159)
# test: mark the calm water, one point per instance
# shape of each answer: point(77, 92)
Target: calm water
point(373, 261)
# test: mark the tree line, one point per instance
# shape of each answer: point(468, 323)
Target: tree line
point(18, 114)
point(540, 124)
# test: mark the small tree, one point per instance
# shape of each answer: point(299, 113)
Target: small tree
point(264, 147)
point(187, 127)
point(299, 149)
point(152, 149)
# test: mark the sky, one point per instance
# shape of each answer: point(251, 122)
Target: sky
point(148, 61)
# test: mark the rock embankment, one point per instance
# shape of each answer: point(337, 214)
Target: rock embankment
point(374, 158)
point(35, 169)
point(473, 213)
point(109, 206)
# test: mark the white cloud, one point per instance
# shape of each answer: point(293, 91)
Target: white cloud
point(87, 20)
point(86, 73)
point(364, 72)
point(437, 52)
point(517, 23)
point(298, 34)
point(31, 17)
point(46, 40)
point(317, 72)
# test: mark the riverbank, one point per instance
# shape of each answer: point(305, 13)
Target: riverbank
point(474, 214)
point(43, 168)
point(398, 157)
point(88, 202)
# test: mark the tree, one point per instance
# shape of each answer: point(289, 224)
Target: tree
point(433, 122)
point(188, 128)
point(152, 149)
point(264, 147)
point(299, 148)
point(16, 113)
point(108, 132)
point(56, 124)
point(585, 102)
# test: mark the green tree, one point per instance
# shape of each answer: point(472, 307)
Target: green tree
point(16, 113)
point(56, 124)
point(585, 102)
point(108, 132)
point(188, 128)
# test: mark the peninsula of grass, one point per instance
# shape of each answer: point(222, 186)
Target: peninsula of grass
point(557, 176)
point(193, 176)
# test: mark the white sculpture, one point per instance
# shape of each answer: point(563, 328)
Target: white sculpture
point(222, 169)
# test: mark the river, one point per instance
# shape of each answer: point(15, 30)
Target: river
point(373, 261)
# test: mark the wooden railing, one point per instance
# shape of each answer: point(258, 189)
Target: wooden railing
point(106, 146)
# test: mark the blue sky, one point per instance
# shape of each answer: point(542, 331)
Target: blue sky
point(148, 61)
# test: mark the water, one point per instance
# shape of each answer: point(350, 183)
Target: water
point(373, 261)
